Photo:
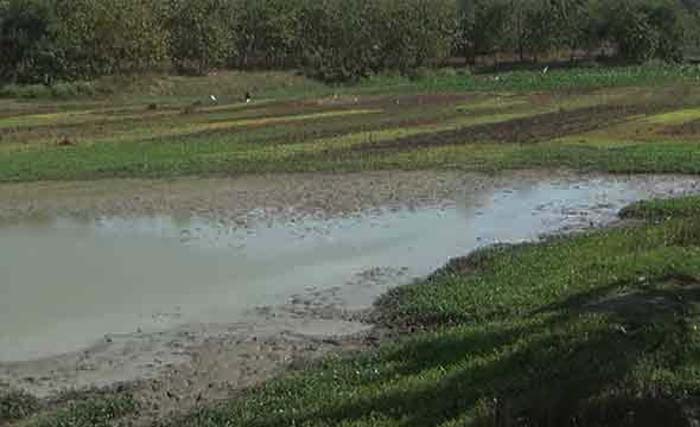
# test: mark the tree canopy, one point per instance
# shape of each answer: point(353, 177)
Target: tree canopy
point(335, 40)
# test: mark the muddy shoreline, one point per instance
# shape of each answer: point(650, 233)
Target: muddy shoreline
point(173, 371)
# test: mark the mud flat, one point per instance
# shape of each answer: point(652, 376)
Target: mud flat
point(193, 288)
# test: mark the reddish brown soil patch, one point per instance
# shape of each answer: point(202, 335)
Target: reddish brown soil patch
point(685, 130)
point(537, 128)
point(363, 101)
point(297, 131)
point(65, 142)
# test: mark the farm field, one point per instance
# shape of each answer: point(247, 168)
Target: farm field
point(571, 297)
point(594, 120)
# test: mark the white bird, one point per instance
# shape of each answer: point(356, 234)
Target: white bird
point(545, 69)
point(213, 99)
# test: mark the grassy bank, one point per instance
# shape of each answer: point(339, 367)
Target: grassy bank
point(231, 85)
point(72, 409)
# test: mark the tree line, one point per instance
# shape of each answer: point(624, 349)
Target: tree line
point(42, 41)
point(638, 30)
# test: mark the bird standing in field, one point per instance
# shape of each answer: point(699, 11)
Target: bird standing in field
point(247, 98)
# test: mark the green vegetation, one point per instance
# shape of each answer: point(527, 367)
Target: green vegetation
point(47, 41)
point(579, 78)
point(93, 413)
point(658, 210)
point(44, 41)
point(530, 29)
point(81, 410)
point(70, 409)
point(15, 405)
point(231, 86)
point(96, 411)
point(587, 119)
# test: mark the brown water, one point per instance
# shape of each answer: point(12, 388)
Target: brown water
point(66, 283)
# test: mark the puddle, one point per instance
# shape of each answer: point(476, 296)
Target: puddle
point(68, 284)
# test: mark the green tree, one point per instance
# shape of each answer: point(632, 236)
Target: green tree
point(416, 33)
point(202, 34)
point(666, 17)
point(572, 19)
point(540, 32)
point(647, 29)
point(98, 37)
point(268, 31)
point(483, 26)
point(25, 34)
point(340, 41)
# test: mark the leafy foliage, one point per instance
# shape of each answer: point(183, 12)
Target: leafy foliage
point(202, 34)
point(25, 28)
point(94, 37)
point(333, 40)
point(640, 29)
point(15, 405)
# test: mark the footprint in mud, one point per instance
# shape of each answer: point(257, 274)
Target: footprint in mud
point(378, 276)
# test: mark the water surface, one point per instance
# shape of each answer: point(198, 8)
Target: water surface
point(66, 283)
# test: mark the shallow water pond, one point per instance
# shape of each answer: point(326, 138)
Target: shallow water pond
point(67, 283)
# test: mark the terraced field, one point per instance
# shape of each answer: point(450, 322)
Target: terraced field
point(620, 129)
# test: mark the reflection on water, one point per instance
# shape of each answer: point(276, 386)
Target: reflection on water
point(66, 282)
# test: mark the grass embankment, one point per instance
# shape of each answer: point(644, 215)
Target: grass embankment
point(70, 410)
point(619, 119)
point(230, 86)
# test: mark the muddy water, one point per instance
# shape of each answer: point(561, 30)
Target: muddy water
point(69, 283)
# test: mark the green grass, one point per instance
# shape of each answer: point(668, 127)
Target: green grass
point(226, 85)
point(476, 131)
point(229, 85)
point(657, 210)
point(15, 405)
point(570, 78)
point(95, 411)
point(597, 329)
